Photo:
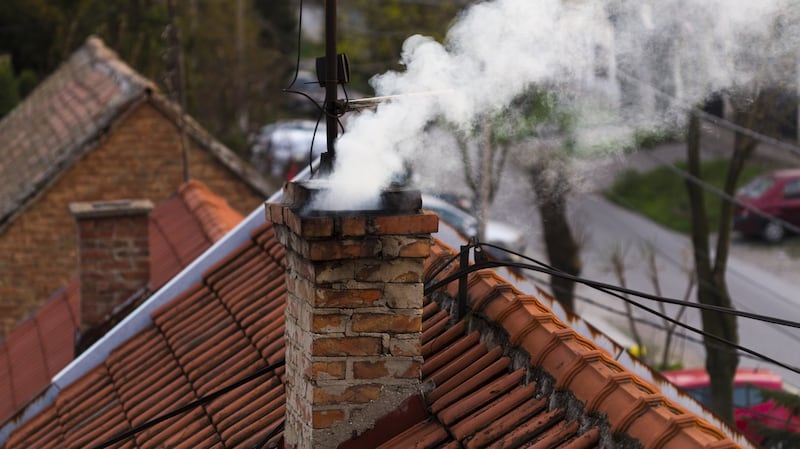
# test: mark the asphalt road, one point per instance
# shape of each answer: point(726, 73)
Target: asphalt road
point(761, 279)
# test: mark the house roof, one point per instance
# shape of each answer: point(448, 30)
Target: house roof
point(71, 111)
point(181, 228)
point(514, 373)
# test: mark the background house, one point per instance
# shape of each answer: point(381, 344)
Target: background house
point(170, 237)
point(94, 130)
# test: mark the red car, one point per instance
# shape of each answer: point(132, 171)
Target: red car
point(749, 404)
point(777, 194)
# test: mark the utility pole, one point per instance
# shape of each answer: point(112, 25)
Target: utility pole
point(176, 83)
point(331, 87)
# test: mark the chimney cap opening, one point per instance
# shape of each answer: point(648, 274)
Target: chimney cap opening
point(116, 208)
point(393, 200)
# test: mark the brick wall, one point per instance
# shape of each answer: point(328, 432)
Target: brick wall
point(353, 319)
point(113, 255)
point(140, 158)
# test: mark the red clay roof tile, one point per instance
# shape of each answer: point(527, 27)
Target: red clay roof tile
point(181, 228)
point(487, 389)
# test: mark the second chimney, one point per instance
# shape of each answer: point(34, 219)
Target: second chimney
point(353, 314)
point(113, 255)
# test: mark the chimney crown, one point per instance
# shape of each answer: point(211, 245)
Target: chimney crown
point(354, 312)
point(113, 256)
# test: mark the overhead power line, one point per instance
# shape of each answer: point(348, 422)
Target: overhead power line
point(722, 194)
point(613, 291)
point(721, 122)
point(192, 405)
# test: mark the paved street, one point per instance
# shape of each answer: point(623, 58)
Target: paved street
point(762, 279)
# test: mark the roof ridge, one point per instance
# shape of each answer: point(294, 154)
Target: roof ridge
point(99, 52)
point(583, 367)
point(213, 212)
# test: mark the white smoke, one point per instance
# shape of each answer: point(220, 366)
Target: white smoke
point(497, 49)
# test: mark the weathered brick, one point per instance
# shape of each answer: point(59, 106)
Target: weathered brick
point(328, 323)
point(399, 270)
point(339, 394)
point(402, 246)
point(336, 271)
point(423, 223)
point(404, 296)
point(394, 367)
point(274, 212)
point(405, 346)
point(310, 227)
point(325, 419)
point(347, 298)
point(327, 370)
point(344, 346)
point(353, 226)
point(342, 249)
point(386, 323)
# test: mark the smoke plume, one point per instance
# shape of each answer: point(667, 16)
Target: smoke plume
point(621, 62)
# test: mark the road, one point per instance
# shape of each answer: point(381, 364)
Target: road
point(761, 279)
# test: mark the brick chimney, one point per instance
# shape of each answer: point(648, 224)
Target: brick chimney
point(354, 312)
point(113, 255)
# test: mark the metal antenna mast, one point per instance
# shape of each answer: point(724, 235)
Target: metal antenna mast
point(331, 86)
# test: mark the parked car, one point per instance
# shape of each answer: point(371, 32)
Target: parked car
point(283, 148)
point(776, 194)
point(751, 409)
point(497, 233)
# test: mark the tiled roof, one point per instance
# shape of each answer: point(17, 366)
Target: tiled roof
point(37, 350)
point(181, 228)
point(69, 113)
point(514, 373)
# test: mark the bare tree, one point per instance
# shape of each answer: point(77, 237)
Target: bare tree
point(618, 266)
point(710, 268)
point(669, 326)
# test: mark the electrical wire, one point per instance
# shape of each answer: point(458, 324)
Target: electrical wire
point(289, 89)
point(727, 124)
point(311, 147)
point(591, 283)
point(743, 276)
point(606, 288)
point(185, 408)
point(642, 321)
point(299, 42)
point(720, 193)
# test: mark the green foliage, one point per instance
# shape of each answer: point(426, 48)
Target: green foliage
point(661, 195)
point(26, 82)
point(9, 95)
point(234, 70)
point(645, 138)
point(372, 33)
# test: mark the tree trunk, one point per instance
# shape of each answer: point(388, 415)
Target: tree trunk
point(563, 251)
point(712, 288)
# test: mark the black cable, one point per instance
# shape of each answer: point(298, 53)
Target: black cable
point(272, 433)
point(722, 194)
point(652, 297)
point(608, 289)
point(794, 149)
point(311, 149)
point(744, 277)
point(185, 408)
point(447, 264)
point(289, 89)
point(299, 42)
